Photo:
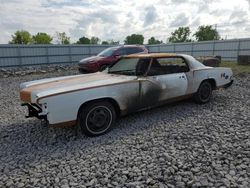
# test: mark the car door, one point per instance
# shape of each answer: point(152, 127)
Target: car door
point(166, 79)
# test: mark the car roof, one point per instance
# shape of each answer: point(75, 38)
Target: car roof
point(151, 55)
point(192, 62)
point(130, 46)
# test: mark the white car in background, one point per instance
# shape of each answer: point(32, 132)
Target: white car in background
point(133, 83)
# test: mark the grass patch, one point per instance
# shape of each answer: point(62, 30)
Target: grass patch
point(235, 67)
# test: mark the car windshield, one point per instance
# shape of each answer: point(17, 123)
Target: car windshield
point(107, 52)
point(125, 66)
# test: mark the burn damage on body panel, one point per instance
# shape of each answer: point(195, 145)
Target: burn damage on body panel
point(150, 99)
point(149, 94)
point(132, 104)
point(129, 100)
point(146, 95)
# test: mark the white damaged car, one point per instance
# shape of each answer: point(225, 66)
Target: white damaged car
point(133, 83)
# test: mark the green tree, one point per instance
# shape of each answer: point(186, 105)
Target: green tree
point(105, 42)
point(134, 39)
point(111, 42)
point(207, 32)
point(42, 38)
point(94, 40)
point(21, 37)
point(83, 40)
point(62, 38)
point(152, 40)
point(180, 35)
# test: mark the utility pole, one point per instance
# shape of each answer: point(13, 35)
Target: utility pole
point(216, 31)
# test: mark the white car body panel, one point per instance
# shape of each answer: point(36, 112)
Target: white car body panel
point(73, 101)
point(166, 87)
point(61, 98)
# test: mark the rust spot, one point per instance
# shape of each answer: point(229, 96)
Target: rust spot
point(25, 95)
point(150, 55)
point(67, 81)
point(81, 89)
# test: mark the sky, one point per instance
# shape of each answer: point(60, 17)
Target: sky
point(116, 19)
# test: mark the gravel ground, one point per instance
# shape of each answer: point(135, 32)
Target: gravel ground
point(178, 145)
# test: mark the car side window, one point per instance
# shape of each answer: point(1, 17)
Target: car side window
point(121, 52)
point(134, 50)
point(168, 65)
point(142, 66)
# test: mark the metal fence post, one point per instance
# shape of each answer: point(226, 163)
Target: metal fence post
point(19, 56)
point(89, 51)
point(70, 54)
point(238, 50)
point(47, 53)
point(192, 48)
point(213, 46)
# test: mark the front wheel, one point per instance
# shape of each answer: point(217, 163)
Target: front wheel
point(204, 93)
point(96, 118)
point(103, 67)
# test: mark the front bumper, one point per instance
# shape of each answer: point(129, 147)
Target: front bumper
point(84, 70)
point(88, 68)
point(228, 85)
point(34, 111)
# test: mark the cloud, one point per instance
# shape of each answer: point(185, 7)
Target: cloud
point(63, 3)
point(196, 22)
point(95, 23)
point(238, 17)
point(179, 1)
point(180, 20)
point(151, 16)
point(115, 19)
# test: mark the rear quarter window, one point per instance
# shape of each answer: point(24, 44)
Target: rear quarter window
point(134, 50)
point(121, 51)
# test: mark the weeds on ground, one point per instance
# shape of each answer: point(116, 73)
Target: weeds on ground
point(237, 69)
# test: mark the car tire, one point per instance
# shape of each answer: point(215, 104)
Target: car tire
point(204, 93)
point(81, 71)
point(96, 118)
point(103, 67)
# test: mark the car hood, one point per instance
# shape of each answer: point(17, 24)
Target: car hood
point(32, 91)
point(89, 59)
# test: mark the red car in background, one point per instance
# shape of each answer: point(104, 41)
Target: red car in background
point(107, 57)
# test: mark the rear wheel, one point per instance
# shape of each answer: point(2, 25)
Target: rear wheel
point(97, 118)
point(204, 93)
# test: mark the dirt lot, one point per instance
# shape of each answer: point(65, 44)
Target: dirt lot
point(178, 145)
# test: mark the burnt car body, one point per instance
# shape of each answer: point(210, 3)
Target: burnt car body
point(133, 83)
point(107, 57)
